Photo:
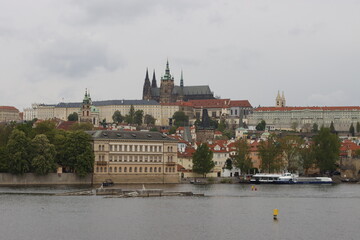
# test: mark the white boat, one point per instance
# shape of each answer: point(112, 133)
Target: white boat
point(288, 178)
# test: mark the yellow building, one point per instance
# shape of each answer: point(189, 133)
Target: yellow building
point(134, 157)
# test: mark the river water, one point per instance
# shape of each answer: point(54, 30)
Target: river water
point(228, 211)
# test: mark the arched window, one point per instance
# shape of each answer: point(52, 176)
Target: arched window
point(135, 169)
point(115, 169)
point(159, 169)
point(140, 169)
point(105, 169)
point(130, 169)
point(154, 169)
point(110, 169)
point(125, 169)
point(119, 169)
point(101, 169)
point(145, 169)
point(150, 169)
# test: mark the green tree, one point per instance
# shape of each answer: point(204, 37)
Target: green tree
point(44, 153)
point(242, 159)
point(3, 159)
point(228, 164)
point(18, 147)
point(172, 130)
point(79, 154)
point(270, 152)
point(315, 128)
point(202, 160)
point(129, 118)
point(138, 118)
point(82, 126)
point(307, 158)
point(5, 132)
point(291, 146)
point(60, 148)
point(27, 128)
point(357, 127)
point(73, 117)
point(352, 130)
point(48, 128)
point(326, 149)
point(332, 128)
point(149, 120)
point(180, 119)
point(261, 126)
point(222, 126)
point(117, 117)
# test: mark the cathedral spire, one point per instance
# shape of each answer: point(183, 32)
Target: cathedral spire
point(147, 76)
point(154, 84)
point(167, 75)
point(181, 80)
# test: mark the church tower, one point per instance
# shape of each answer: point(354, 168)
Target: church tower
point(147, 87)
point(280, 100)
point(166, 86)
point(88, 112)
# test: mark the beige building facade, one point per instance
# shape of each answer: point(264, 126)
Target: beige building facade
point(134, 157)
point(106, 109)
point(8, 114)
point(303, 118)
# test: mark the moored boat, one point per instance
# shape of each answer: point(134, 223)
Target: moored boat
point(288, 178)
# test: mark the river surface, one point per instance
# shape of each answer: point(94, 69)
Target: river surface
point(228, 211)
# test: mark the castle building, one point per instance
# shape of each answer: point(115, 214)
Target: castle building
point(282, 117)
point(168, 92)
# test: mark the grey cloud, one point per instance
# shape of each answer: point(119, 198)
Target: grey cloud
point(76, 58)
point(125, 11)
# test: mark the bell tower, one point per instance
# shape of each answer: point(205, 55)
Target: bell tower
point(280, 100)
point(167, 86)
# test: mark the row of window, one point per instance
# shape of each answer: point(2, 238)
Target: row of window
point(135, 169)
point(136, 148)
point(125, 158)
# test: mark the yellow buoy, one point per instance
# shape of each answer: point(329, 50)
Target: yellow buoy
point(275, 213)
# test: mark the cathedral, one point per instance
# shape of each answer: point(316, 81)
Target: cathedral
point(168, 92)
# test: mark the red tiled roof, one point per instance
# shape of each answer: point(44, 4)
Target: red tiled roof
point(8, 108)
point(343, 108)
point(240, 103)
point(210, 103)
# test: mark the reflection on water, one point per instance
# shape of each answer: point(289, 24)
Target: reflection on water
point(227, 212)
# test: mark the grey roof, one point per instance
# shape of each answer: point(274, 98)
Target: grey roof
point(194, 90)
point(189, 90)
point(110, 102)
point(130, 135)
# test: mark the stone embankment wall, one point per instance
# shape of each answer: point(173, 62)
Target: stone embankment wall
point(7, 179)
point(137, 178)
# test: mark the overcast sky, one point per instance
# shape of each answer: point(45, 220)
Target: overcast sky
point(51, 50)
